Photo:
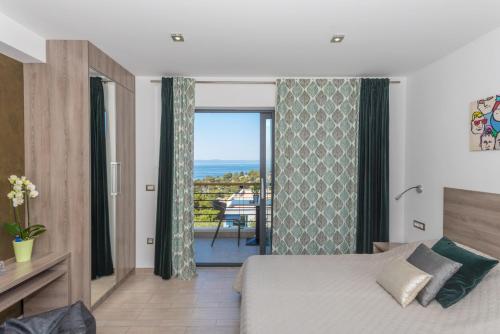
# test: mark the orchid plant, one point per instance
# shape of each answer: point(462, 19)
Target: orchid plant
point(22, 191)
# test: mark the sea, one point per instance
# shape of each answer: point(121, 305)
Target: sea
point(215, 168)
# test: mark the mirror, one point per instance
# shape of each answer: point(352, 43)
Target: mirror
point(104, 190)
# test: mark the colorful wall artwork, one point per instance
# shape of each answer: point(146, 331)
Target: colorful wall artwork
point(485, 124)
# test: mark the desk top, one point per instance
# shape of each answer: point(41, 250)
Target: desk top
point(17, 273)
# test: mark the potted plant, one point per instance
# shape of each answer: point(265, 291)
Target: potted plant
point(22, 191)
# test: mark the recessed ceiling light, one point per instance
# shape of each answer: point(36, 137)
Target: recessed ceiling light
point(337, 38)
point(177, 37)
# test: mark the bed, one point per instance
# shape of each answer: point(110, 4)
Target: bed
point(339, 294)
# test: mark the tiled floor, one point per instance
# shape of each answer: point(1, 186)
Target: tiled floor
point(225, 250)
point(147, 304)
point(100, 286)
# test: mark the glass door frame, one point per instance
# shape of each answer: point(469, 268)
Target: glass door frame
point(263, 242)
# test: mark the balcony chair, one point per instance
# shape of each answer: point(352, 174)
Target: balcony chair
point(221, 216)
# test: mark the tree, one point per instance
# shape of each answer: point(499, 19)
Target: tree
point(204, 214)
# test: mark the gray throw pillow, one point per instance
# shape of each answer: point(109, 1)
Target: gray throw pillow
point(441, 268)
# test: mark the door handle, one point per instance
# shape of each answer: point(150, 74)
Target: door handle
point(114, 176)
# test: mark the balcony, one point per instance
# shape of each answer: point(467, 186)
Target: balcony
point(230, 204)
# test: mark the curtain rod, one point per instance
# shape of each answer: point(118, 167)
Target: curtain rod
point(242, 82)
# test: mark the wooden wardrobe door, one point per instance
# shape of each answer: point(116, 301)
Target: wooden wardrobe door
point(125, 205)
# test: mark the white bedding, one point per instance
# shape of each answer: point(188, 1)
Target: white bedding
point(338, 294)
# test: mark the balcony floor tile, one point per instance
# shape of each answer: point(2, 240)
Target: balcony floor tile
point(225, 250)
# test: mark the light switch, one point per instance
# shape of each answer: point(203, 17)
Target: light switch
point(150, 241)
point(150, 187)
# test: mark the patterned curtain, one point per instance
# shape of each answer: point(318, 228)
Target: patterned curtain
point(183, 264)
point(174, 249)
point(316, 166)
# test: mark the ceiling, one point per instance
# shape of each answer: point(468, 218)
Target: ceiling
point(260, 38)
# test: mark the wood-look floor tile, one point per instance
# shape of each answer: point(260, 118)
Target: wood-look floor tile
point(147, 304)
point(131, 323)
point(156, 330)
point(116, 314)
point(168, 298)
point(216, 313)
point(166, 314)
point(118, 306)
point(188, 323)
point(212, 330)
point(112, 330)
point(228, 323)
point(128, 297)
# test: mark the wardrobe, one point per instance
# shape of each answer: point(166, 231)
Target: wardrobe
point(57, 147)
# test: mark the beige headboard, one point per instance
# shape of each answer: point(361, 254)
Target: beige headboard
point(472, 218)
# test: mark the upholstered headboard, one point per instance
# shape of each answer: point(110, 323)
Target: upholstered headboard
point(472, 218)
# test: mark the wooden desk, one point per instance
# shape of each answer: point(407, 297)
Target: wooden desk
point(42, 283)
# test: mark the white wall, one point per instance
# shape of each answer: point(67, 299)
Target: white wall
point(147, 122)
point(20, 43)
point(231, 95)
point(437, 142)
point(236, 96)
point(397, 127)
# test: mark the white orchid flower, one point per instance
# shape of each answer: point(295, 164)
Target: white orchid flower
point(21, 186)
point(17, 201)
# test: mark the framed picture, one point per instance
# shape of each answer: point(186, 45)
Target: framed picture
point(485, 124)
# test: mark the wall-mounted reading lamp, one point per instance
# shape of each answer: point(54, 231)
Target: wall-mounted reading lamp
point(419, 189)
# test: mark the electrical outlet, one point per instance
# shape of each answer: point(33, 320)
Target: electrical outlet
point(150, 187)
point(419, 225)
point(150, 241)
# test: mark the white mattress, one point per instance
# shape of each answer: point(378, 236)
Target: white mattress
point(338, 294)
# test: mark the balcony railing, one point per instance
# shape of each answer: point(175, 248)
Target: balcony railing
point(241, 201)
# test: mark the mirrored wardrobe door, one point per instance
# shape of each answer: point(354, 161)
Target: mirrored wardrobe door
point(104, 184)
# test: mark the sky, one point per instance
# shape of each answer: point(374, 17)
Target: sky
point(226, 136)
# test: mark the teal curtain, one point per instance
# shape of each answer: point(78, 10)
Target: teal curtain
point(163, 246)
point(102, 262)
point(316, 131)
point(174, 250)
point(373, 164)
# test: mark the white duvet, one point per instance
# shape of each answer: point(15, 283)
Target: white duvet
point(338, 294)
